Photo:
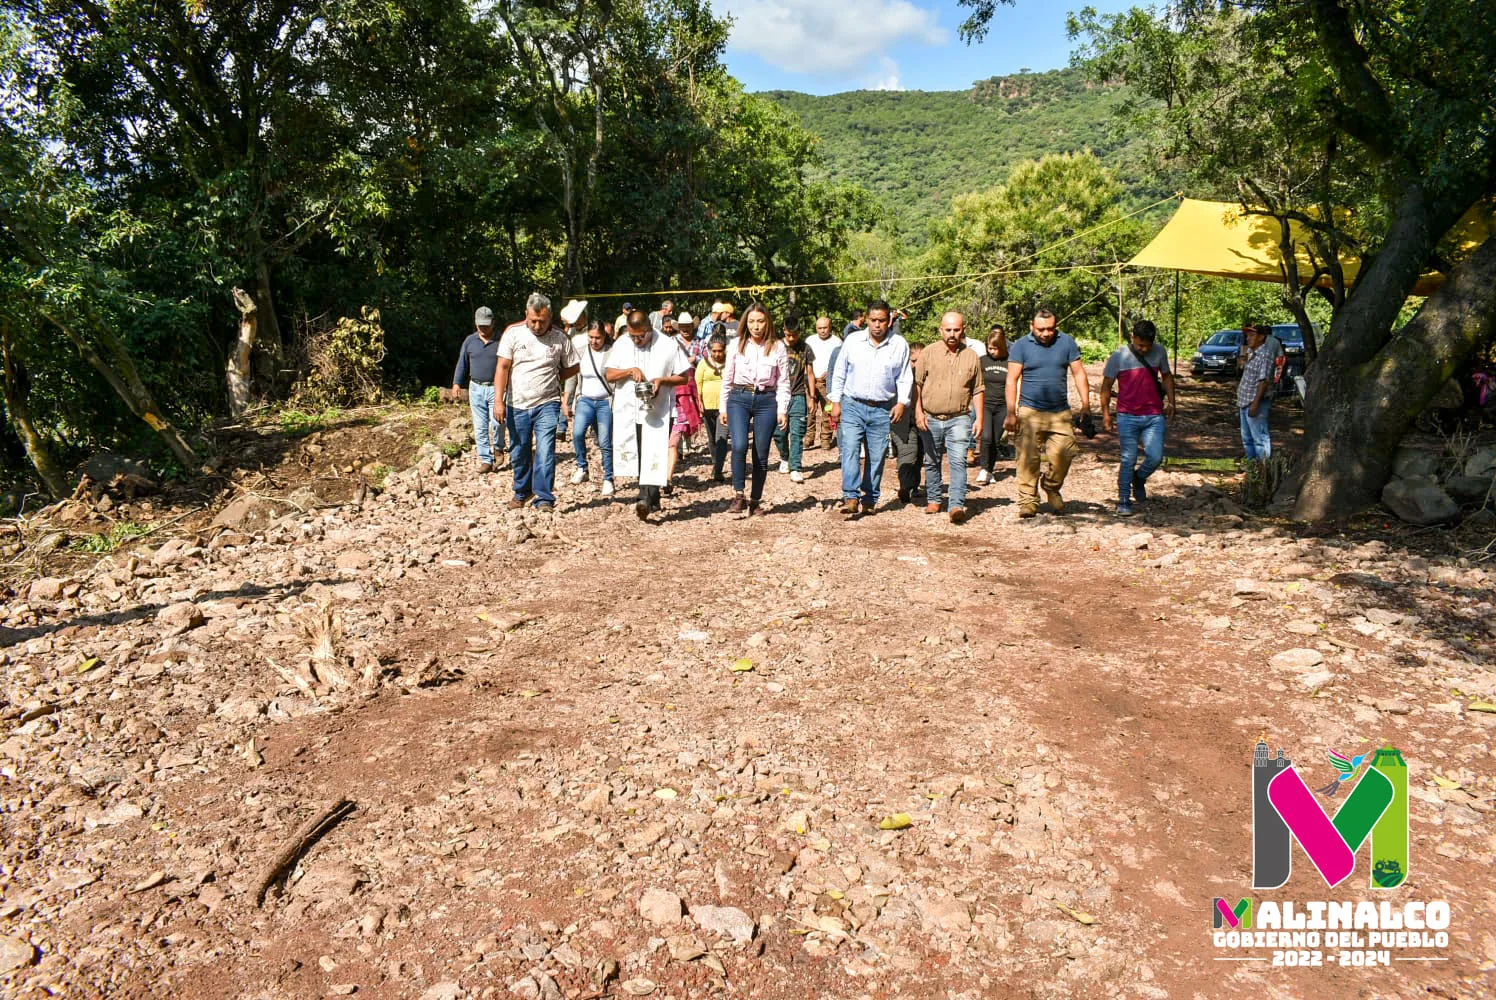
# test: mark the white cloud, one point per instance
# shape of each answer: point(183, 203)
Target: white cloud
point(887, 77)
point(833, 39)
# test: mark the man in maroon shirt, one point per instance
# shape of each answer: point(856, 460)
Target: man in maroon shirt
point(1145, 401)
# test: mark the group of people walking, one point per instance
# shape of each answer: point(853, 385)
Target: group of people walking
point(741, 386)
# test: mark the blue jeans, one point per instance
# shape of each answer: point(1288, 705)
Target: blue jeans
point(1255, 437)
point(951, 436)
point(488, 434)
point(863, 424)
point(760, 410)
point(1132, 429)
point(594, 413)
point(792, 442)
point(536, 426)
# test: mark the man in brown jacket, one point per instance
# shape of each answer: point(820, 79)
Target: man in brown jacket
point(947, 379)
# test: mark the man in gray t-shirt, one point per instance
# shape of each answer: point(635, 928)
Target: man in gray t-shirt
point(1039, 411)
point(535, 359)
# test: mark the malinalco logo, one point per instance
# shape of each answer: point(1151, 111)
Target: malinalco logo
point(1284, 810)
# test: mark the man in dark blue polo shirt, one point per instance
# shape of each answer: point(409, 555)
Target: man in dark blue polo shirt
point(475, 364)
point(1039, 410)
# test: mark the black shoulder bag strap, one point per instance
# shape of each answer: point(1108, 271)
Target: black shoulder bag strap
point(1158, 383)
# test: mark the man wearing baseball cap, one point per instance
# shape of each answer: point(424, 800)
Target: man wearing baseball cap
point(475, 365)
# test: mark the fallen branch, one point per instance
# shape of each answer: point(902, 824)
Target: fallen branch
point(310, 832)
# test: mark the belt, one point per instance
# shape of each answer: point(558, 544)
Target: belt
point(880, 403)
point(946, 416)
point(745, 387)
point(480, 382)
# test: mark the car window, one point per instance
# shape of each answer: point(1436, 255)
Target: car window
point(1288, 334)
point(1225, 338)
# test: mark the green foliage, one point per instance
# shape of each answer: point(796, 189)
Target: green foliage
point(413, 156)
point(299, 423)
point(918, 150)
point(107, 542)
point(1055, 234)
point(345, 362)
point(377, 474)
point(452, 449)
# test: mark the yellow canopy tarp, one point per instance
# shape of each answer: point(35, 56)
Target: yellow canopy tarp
point(1218, 238)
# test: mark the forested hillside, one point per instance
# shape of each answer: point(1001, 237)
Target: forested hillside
point(916, 150)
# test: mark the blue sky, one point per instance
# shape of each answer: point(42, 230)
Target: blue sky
point(827, 46)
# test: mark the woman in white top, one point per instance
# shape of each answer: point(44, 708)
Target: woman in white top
point(756, 395)
point(592, 406)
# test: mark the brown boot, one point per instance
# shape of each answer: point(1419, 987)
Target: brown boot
point(738, 505)
point(517, 503)
point(484, 468)
point(932, 508)
point(849, 508)
point(958, 515)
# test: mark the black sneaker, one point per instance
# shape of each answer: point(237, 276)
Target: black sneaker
point(641, 510)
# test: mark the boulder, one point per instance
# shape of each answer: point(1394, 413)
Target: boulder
point(1413, 463)
point(15, 953)
point(1298, 660)
point(1420, 501)
point(945, 913)
point(729, 921)
point(180, 618)
point(117, 474)
point(46, 588)
point(660, 907)
point(248, 514)
point(1468, 489)
point(1482, 464)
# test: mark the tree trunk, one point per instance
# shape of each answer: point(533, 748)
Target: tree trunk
point(127, 384)
point(240, 371)
point(1359, 413)
point(38, 448)
point(268, 334)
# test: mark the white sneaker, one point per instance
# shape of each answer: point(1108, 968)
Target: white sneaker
point(784, 466)
point(580, 476)
point(983, 478)
point(797, 477)
point(607, 487)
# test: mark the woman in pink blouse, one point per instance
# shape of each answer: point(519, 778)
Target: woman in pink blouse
point(756, 395)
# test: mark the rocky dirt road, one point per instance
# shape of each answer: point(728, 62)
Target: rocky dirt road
point(566, 785)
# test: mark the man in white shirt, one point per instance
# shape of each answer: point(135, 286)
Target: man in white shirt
point(644, 368)
point(870, 388)
point(820, 430)
point(535, 358)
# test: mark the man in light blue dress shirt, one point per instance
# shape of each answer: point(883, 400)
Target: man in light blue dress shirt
point(870, 386)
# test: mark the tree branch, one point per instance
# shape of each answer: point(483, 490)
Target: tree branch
point(1367, 113)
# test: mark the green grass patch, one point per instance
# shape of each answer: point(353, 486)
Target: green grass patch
point(452, 449)
point(298, 423)
point(1228, 465)
point(378, 474)
point(107, 542)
